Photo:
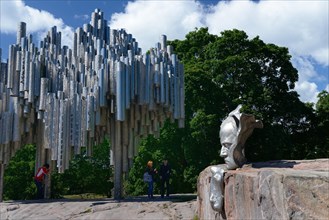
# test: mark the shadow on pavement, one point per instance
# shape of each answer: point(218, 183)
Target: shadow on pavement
point(157, 198)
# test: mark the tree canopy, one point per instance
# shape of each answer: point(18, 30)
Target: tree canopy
point(220, 73)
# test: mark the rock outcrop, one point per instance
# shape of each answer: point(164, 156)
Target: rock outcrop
point(178, 206)
point(270, 190)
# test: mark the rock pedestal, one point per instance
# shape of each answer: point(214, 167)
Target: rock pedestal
point(203, 207)
point(270, 190)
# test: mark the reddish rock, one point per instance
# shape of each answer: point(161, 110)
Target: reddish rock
point(203, 207)
point(271, 190)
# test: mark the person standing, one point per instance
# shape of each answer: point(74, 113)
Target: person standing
point(39, 180)
point(151, 171)
point(164, 172)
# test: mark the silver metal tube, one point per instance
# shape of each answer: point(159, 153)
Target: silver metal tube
point(68, 98)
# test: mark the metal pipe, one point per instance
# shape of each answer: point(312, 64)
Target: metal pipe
point(68, 98)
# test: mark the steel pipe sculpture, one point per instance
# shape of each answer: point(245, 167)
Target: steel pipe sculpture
point(63, 98)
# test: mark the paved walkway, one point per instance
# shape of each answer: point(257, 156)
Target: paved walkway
point(180, 206)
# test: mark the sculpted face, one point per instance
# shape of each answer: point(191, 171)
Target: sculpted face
point(234, 131)
point(228, 136)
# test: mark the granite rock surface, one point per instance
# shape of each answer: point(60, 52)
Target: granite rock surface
point(270, 190)
point(176, 207)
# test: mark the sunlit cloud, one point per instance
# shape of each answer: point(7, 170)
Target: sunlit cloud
point(308, 91)
point(301, 26)
point(13, 12)
point(148, 20)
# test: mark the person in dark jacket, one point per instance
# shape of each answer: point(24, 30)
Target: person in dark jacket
point(164, 173)
point(151, 171)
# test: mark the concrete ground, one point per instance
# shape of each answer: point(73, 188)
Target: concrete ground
point(179, 206)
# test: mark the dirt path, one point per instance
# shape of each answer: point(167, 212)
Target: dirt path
point(175, 207)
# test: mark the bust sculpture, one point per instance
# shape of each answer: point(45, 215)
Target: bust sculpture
point(234, 131)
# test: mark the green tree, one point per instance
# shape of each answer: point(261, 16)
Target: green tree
point(322, 106)
point(18, 176)
point(232, 69)
point(168, 145)
point(260, 76)
point(318, 137)
point(220, 73)
point(89, 174)
point(85, 174)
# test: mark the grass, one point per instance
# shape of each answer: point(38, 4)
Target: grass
point(89, 210)
point(195, 217)
point(85, 196)
point(184, 197)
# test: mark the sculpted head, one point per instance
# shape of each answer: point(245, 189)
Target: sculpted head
point(228, 138)
point(234, 131)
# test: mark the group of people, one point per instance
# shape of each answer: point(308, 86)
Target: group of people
point(150, 172)
point(164, 174)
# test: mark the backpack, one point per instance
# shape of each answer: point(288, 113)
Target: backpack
point(147, 177)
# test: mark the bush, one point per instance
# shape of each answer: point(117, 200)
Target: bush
point(85, 175)
point(18, 176)
point(88, 174)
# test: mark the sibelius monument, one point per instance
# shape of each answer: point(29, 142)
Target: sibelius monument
point(64, 98)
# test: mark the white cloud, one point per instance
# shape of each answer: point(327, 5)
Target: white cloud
point(302, 26)
point(38, 21)
point(305, 67)
point(306, 88)
point(148, 20)
point(308, 91)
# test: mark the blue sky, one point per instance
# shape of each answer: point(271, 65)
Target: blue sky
point(302, 26)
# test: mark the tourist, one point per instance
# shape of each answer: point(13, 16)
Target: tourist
point(39, 180)
point(164, 173)
point(151, 171)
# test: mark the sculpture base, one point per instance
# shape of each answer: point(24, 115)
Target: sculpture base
point(270, 190)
